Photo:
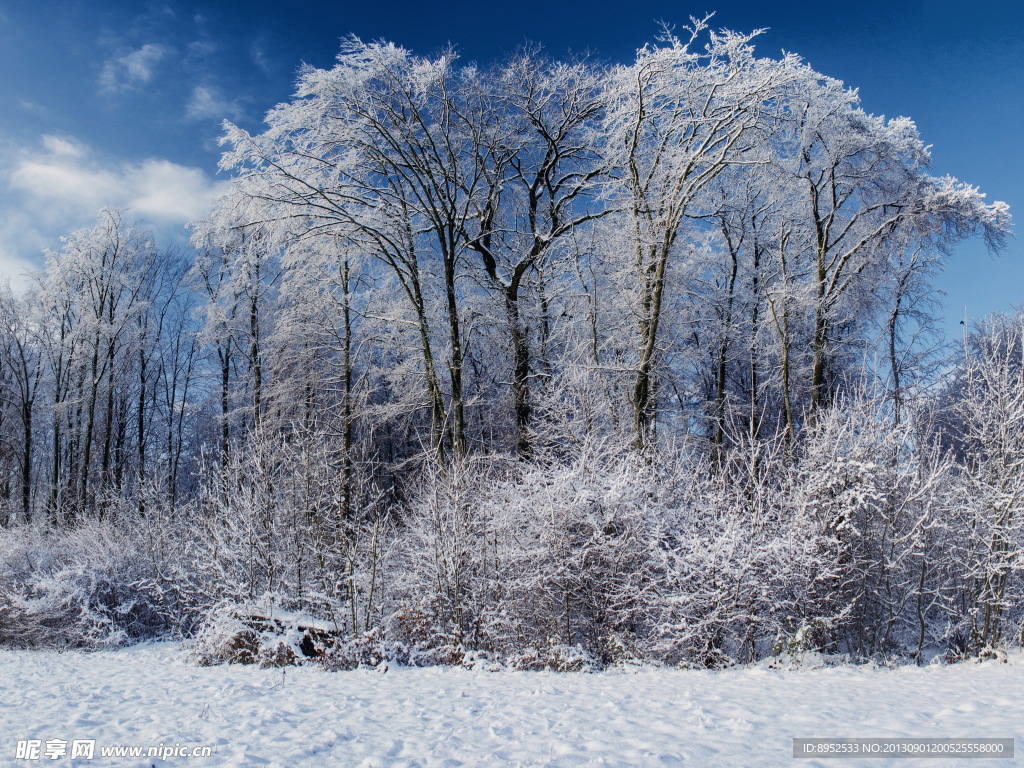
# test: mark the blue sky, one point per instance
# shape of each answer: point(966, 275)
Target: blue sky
point(120, 103)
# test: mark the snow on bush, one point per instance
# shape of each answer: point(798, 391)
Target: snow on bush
point(622, 556)
point(85, 587)
point(869, 542)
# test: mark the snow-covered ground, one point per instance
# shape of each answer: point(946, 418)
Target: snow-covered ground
point(152, 695)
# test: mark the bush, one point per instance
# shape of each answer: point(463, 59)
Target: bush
point(84, 587)
point(254, 634)
point(554, 657)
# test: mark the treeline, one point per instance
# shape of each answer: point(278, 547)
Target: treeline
point(637, 358)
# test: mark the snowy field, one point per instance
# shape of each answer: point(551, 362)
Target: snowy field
point(151, 695)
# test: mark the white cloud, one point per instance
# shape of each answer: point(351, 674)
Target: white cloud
point(56, 180)
point(207, 103)
point(65, 176)
point(258, 54)
point(22, 239)
point(165, 191)
point(57, 145)
point(53, 190)
point(32, 108)
point(200, 49)
point(133, 69)
point(15, 271)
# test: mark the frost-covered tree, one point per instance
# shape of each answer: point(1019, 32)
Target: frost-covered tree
point(563, 362)
point(989, 415)
point(378, 148)
point(21, 380)
point(537, 142)
point(676, 119)
point(94, 291)
point(856, 196)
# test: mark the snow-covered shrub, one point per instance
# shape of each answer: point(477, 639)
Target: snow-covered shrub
point(887, 497)
point(372, 648)
point(554, 657)
point(366, 650)
point(503, 555)
point(988, 519)
point(224, 638)
point(274, 519)
point(260, 633)
point(659, 557)
point(733, 560)
point(571, 536)
point(419, 629)
point(446, 579)
point(80, 587)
